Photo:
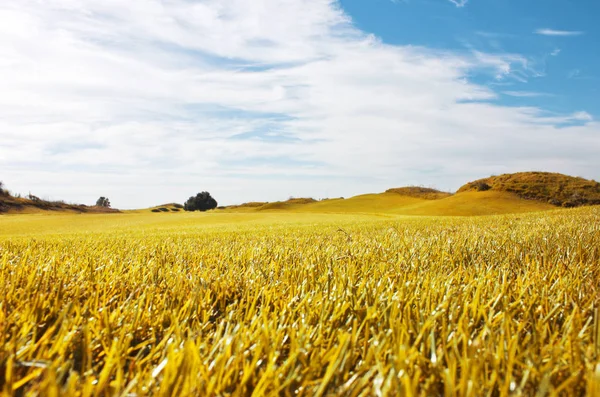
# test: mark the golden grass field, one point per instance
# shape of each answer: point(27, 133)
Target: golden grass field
point(303, 302)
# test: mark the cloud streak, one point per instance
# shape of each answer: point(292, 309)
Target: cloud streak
point(459, 3)
point(148, 102)
point(524, 94)
point(553, 32)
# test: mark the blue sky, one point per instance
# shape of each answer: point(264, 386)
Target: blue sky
point(564, 60)
point(150, 101)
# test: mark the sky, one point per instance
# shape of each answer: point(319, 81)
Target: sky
point(151, 101)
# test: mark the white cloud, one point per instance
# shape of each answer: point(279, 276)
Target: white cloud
point(524, 94)
point(459, 3)
point(148, 101)
point(553, 32)
point(555, 52)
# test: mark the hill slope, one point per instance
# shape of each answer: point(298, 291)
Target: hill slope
point(419, 192)
point(18, 205)
point(512, 193)
point(556, 189)
point(476, 203)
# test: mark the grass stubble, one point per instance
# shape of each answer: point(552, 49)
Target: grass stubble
point(500, 305)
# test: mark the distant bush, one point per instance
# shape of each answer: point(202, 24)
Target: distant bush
point(201, 202)
point(555, 202)
point(3, 191)
point(156, 210)
point(179, 206)
point(482, 187)
point(163, 209)
point(175, 209)
point(34, 198)
point(103, 202)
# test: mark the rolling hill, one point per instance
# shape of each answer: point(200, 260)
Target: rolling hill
point(508, 193)
point(556, 189)
point(20, 205)
point(463, 204)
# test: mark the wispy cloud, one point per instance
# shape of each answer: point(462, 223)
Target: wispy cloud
point(525, 94)
point(97, 98)
point(555, 52)
point(459, 3)
point(553, 32)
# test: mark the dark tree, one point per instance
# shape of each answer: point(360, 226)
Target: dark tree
point(103, 202)
point(2, 191)
point(200, 202)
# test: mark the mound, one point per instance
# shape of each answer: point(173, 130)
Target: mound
point(556, 189)
point(252, 204)
point(170, 207)
point(476, 203)
point(289, 204)
point(419, 192)
point(10, 204)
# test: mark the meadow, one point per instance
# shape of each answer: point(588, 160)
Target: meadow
point(300, 304)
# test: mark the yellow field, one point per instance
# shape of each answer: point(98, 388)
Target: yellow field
point(300, 304)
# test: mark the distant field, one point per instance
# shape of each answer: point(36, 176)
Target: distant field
point(289, 303)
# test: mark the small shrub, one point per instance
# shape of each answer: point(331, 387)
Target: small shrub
point(155, 210)
point(482, 186)
point(3, 191)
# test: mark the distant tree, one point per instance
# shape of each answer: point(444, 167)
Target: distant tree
point(3, 192)
point(103, 202)
point(33, 198)
point(201, 202)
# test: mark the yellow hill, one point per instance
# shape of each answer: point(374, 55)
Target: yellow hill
point(462, 204)
point(420, 192)
point(476, 203)
point(504, 194)
point(369, 203)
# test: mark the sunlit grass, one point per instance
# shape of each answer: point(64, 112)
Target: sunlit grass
point(289, 304)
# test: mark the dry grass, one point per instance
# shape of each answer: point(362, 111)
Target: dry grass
point(319, 306)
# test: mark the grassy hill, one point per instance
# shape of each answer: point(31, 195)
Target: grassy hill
point(20, 205)
point(503, 194)
point(476, 203)
point(553, 188)
point(513, 193)
point(419, 192)
point(463, 204)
